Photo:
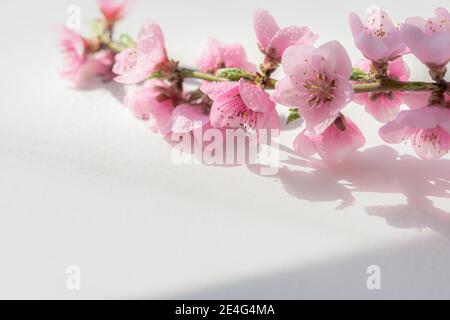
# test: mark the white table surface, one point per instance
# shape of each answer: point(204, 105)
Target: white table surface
point(84, 183)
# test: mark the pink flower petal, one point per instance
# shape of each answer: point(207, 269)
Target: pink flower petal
point(385, 108)
point(288, 94)
point(317, 119)
point(74, 50)
point(255, 97)
point(336, 145)
point(233, 113)
point(295, 61)
point(429, 40)
point(186, 118)
point(217, 55)
point(272, 120)
point(378, 39)
point(398, 70)
point(135, 64)
point(409, 121)
point(343, 94)
point(431, 144)
point(265, 27)
point(372, 48)
point(356, 25)
point(333, 145)
point(304, 145)
point(113, 10)
point(416, 100)
point(144, 103)
point(336, 59)
point(211, 56)
point(234, 56)
point(217, 89)
point(290, 36)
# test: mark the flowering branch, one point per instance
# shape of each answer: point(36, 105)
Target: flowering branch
point(318, 83)
point(387, 85)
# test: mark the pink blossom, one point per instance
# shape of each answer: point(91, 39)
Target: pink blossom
point(113, 10)
point(427, 128)
point(384, 106)
point(241, 105)
point(429, 40)
point(332, 145)
point(378, 39)
point(135, 64)
point(316, 82)
point(75, 52)
point(150, 102)
point(273, 41)
point(216, 55)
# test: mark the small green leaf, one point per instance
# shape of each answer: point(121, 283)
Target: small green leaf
point(126, 40)
point(360, 75)
point(293, 115)
point(234, 74)
point(97, 28)
point(156, 75)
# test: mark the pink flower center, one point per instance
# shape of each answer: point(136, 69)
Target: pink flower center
point(427, 139)
point(320, 90)
point(237, 115)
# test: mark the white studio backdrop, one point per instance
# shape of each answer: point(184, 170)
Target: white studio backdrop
point(83, 183)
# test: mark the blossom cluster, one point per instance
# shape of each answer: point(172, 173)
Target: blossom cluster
point(319, 80)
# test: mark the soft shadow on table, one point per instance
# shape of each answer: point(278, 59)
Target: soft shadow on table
point(379, 170)
point(415, 270)
point(115, 89)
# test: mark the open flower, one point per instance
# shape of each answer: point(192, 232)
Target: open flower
point(217, 55)
point(334, 144)
point(427, 128)
point(81, 65)
point(241, 105)
point(384, 106)
point(273, 41)
point(378, 39)
point(316, 82)
point(75, 51)
point(151, 102)
point(135, 64)
point(429, 40)
point(112, 10)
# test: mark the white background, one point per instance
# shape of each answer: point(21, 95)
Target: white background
point(84, 183)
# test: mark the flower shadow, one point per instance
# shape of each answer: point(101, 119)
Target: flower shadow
point(378, 170)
